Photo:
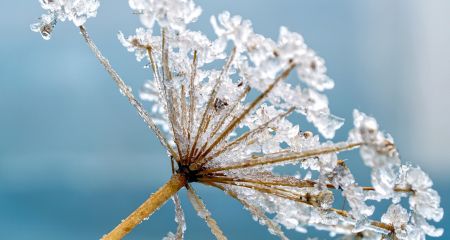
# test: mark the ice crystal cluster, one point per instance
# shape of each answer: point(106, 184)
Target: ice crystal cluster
point(216, 134)
point(77, 11)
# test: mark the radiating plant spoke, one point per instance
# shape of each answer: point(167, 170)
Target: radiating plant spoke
point(244, 137)
point(180, 218)
point(204, 123)
point(202, 212)
point(250, 107)
point(275, 158)
point(125, 90)
point(273, 227)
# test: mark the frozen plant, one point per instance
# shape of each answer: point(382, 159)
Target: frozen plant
point(77, 11)
point(215, 134)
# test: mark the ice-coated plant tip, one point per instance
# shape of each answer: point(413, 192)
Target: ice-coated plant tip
point(77, 11)
point(216, 135)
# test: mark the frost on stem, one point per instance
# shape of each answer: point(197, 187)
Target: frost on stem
point(179, 219)
point(218, 134)
point(202, 212)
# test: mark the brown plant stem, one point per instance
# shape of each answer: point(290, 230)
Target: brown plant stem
point(155, 201)
point(284, 157)
point(204, 123)
point(376, 224)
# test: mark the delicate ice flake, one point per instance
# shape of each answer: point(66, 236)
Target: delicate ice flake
point(425, 201)
point(174, 14)
point(354, 194)
point(232, 28)
point(378, 152)
point(45, 26)
point(417, 179)
point(424, 228)
point(77, 11)
point(139, 43)
point(311, 68)
point(397, 216)
point(407, 228)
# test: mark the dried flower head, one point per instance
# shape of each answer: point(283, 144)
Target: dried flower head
point(216, 134)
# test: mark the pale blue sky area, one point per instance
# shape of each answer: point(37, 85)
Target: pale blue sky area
point(75, 158)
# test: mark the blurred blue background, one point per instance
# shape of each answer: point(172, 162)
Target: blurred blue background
point(75, 158)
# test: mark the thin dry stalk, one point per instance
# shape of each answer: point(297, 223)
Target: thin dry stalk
point(285, 157)
point(147, 208)
point(192, 101)
point(179, 216)
point(284, 182)
point(273, 227)
point(206, 114)
point(225, 116)
point(124, 89)
point(377, 225)
point(244, 137)
point(200, 207)
point(249, 108)
point(171, 98)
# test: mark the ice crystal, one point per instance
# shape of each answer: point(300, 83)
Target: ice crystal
point(378, 152)
point(216, 134)
point(168, 13)
point(397, 216)
point(77, 11)
point(425, 201)
point(45, 26)
point(414, 228)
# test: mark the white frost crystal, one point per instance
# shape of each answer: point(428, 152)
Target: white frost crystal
point(353, 193)
point(426, 201)
point(396, 215)
point(378, 152)
point(263, 59)
point(168, 13)
point(232, 28)
point(77, 11)
point(388, 177)
point(406, 228)
point(45, 26)
point(224, 106)
point(137, 43)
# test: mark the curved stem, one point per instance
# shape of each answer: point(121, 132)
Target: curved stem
point(147, 208)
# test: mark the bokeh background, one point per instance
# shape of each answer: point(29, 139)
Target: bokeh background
point(75, 158)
